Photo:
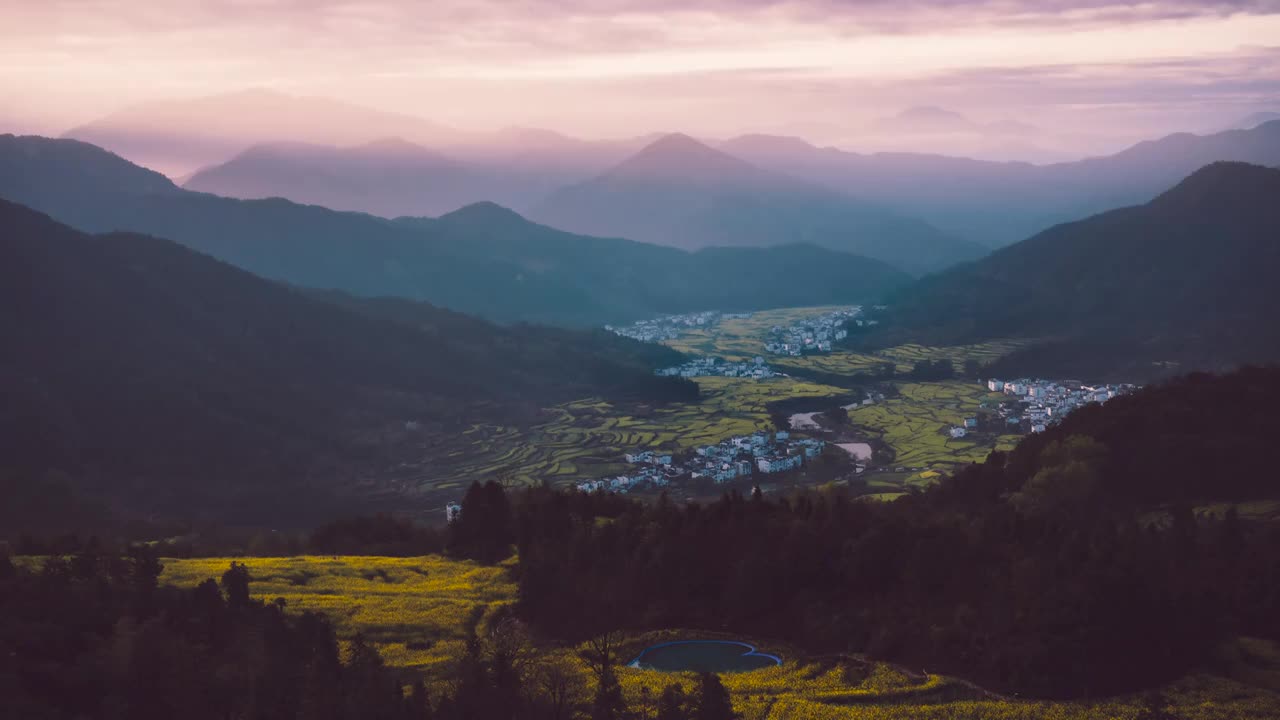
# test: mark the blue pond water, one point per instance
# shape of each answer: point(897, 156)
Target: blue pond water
point(718, 656)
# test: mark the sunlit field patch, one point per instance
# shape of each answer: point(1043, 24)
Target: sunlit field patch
point(412, 609)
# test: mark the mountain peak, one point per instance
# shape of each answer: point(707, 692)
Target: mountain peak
point(397, 149)
point(1223, 183)
point(675, 142)
point(928, 118)
point(680, 157)
point(393, 143)
point(64, 166)
point(485, 213)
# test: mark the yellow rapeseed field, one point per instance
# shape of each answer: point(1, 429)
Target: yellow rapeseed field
point(413, 609)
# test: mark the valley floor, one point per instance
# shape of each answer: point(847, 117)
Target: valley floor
point(586, 439)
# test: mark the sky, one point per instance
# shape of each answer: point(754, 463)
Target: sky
point(1084, 73)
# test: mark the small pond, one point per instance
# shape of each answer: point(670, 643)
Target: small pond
point(718, 656)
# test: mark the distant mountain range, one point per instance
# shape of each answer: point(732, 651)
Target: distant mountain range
point(1184, 281)
point(1000, 203)
point(262, 143)
point(170, 381)
point(388, 177)
point(180, 137)
point(1253, 120)
point(928, 129)
point(391, 176)
point(932, 120)
point(678, 191)
point(674, 191)
point(483, 259)
point(927, 119)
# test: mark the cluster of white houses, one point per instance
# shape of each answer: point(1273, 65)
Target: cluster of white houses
point(669, 327)
point(812, 334)
point(714, 367)
point(1040, 403)
point(739, 456)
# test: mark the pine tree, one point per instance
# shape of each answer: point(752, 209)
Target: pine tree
point(235, 583)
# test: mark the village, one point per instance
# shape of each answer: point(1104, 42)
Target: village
point(1038, 404)
point(755, 369)
point(813, 334)
point(738, 457)
point(669, 327)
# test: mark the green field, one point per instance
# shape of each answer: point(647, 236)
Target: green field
point(737, 339)
point(903, 357)
point(740, 338)
point(914, 424)
point(412, 609)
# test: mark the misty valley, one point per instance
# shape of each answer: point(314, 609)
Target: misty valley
point(320, 411)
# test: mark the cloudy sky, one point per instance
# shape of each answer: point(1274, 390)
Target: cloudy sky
point(819, 68)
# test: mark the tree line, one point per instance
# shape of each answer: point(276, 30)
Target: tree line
point(95, 635)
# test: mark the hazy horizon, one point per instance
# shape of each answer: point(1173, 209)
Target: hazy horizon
point(1036, 81)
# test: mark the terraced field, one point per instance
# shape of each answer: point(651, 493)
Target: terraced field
point(914, 426)
point(586, 439)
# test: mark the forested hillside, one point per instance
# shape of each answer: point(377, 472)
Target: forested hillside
point(1185, 281)
point(169, 381)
